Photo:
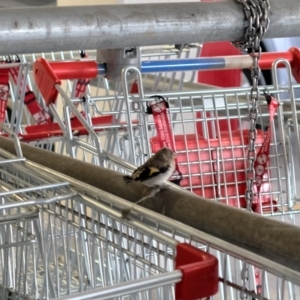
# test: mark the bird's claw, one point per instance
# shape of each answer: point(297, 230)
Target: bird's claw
point(125, 213)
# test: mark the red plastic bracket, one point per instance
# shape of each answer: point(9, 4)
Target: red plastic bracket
point(4, 91)
point(295, 64)
point(199, 269)
point(46, 79)
point(267, 59)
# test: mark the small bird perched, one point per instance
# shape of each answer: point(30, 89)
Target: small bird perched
point(153, 173)
point(156, 170)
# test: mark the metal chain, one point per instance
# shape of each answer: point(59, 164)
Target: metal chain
point(257, 15)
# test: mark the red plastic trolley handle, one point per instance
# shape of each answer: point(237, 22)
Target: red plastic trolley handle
point(47, 75)
point(74, 69)
point(199, 269)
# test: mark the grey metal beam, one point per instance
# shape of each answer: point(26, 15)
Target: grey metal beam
point(27, 30)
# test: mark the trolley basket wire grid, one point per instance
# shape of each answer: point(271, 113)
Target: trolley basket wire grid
point(87, 244)
point(56, 241)
point(28, 114)
point(210, 134)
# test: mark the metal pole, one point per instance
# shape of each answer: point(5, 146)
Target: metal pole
point(118, 26)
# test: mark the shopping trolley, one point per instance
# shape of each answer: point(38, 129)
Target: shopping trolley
point(209, 133)
point(78, 246)
point(25, 111)
point(56, 241)
point(208, 127)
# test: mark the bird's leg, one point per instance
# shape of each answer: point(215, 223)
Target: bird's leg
point(164, 186)
point(154, 190)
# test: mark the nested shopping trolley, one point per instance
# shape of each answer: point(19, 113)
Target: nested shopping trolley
point(208, 127)
point(55, 242)
point(25, 111)
point(63, 239)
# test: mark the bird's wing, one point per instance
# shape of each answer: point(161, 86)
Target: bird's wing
point(144, 173)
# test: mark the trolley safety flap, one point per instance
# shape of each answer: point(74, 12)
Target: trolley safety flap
point(46, 80)
point(200, 273)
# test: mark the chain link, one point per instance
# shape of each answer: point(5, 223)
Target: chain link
point(257, 14)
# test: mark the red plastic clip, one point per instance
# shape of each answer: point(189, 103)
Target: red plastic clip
point(4, 91)
point(200, 273)
point(134, 88)
point(295, 64)
point(46, 79)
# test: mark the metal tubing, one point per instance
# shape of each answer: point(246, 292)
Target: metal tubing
point(213, 63)
point(36, 201)
point(31, 189)
point(28, 30)
point(124, 288)
point(14, 137)
point(192, 64)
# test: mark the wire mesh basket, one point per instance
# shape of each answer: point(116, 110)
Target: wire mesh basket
point(78, 245)
point(56, 241)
